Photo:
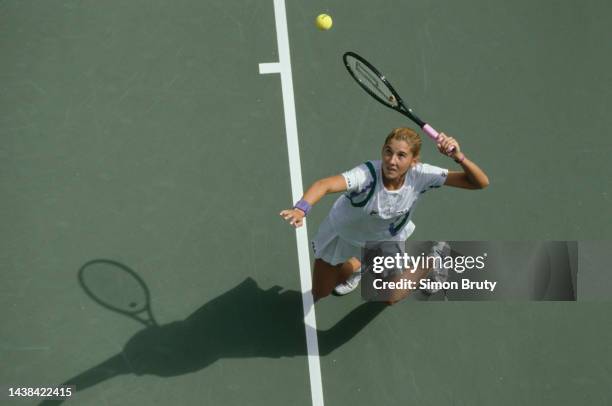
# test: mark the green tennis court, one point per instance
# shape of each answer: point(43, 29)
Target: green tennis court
point(145, 134)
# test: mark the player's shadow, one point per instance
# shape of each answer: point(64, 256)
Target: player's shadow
point(245, 321)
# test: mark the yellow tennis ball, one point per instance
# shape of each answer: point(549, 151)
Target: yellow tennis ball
point(323, 22)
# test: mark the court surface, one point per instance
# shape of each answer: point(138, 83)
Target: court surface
point(142, 132)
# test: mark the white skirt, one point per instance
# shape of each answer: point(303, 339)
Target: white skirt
point(330, 247)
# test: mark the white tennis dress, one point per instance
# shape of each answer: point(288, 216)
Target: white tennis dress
point(369, 212)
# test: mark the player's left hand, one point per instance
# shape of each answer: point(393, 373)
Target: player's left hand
point(445, 143)
point(294, 216)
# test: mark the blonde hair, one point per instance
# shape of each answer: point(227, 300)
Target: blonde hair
point(411, 137)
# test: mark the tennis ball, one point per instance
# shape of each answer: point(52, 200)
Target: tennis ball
point(323, 22)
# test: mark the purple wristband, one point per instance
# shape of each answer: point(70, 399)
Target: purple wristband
point(303, 205)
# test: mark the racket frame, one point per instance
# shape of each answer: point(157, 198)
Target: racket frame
point(401, 106)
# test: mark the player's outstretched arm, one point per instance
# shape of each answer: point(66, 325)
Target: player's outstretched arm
point(333, 184)
point(472, 176)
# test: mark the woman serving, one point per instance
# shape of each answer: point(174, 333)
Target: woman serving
point(378, 203)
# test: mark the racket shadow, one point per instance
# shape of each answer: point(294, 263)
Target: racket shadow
point(246, 321)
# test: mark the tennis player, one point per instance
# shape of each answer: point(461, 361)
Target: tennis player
point(377, 205)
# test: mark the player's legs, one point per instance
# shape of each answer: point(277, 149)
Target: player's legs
point(397, 295)
point(326, 276)
point(436, 272)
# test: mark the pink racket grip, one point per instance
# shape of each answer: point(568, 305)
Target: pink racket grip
point(434, 135)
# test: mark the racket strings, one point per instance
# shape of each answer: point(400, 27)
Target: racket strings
point(372, 82)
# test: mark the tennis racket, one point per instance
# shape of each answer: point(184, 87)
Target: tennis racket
point(117, 288)
point(377, 86)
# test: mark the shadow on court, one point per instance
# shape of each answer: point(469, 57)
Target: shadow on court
point(246, 321)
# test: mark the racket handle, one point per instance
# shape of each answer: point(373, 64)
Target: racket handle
point(431, 132)
point(434, 135)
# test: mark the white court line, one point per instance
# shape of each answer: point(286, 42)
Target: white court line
point(295, 172)
point(269, 68)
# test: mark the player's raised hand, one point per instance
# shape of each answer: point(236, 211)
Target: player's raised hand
point(446, 144)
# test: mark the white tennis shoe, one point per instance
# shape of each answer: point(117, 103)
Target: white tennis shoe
point(438, 274)
point(440, 248)
point(349, 285)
